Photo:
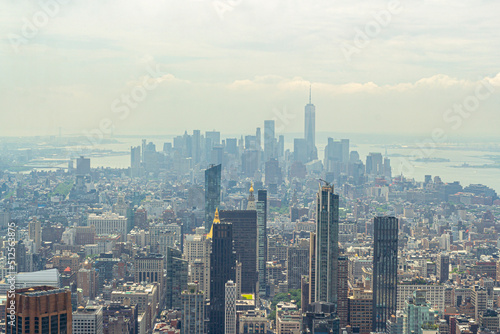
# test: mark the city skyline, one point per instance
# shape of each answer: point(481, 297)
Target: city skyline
point(232, 167)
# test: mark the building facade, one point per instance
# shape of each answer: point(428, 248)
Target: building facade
point(327, 245)
point(385, 271)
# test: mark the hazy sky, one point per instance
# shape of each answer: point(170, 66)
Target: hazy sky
point(162, 67)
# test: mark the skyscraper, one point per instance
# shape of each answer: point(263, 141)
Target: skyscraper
point(35, 233)
point(312, 267)
point(385, 270)
point(343, 292)
point(230, 309)
point(40, 309)
point(262, 240)
point(310, 130)
point(297, 264)
point(193, 310)
point(177, 277)
point(443, 267)
point(327, 245)
point(82, 166)
point(222, 269)
point(244, 231)
point(135, 161)
point(269, 139)
point(196, 146)
point(212, 193)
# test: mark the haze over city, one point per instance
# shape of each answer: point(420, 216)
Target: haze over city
point(239, 167)
point(375, 66)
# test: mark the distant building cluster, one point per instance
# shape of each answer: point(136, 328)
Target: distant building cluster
point(228, 235)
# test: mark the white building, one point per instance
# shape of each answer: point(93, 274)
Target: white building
point(88, 320)
point(434, 295)
point(230, 308)
point(109, 223)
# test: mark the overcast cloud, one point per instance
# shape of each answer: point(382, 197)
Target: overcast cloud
point(227, 65)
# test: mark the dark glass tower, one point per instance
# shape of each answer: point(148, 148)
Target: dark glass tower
point(212, 193)
point(327, 245)
point(222, 269)
point(385, 271)
point(245, 244)
point(262, 240)
point(443, 267)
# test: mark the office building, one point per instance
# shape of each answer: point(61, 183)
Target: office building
point(298, 264)
point(417, 313)
point(489, 321)
point(212, 193)
point(177, 278)
point(320, 318)
point(193, 310)
point(230, 308)
point(327, 245)
point(262, 240)
point(40, 309)
point(109, 223)
point(82, 166)
point(300, 152)
point(312, 267)
point(35, 234)
point(269, 140)
point(149, 268)
point(253, 321)
point(479, 299)
point(88, 320)
point(310, 130)
point(244, 233)
point(87, 280)
point(443, 267)
point(385, 270)
point(135, 161)
point(343, 292)
point(360, 311)
point(435, 294)
point(222, 269)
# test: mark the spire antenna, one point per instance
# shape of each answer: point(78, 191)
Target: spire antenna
point(309, 93)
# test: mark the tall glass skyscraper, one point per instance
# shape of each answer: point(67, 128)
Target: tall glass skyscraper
point(262, 240)
point(385, 271)
point(310, 130)
point(212, 193)
point(222, 269)
point(244, 235)
point(327, 245)
point(269, 139)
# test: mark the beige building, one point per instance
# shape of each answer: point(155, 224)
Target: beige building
point(434, 295)
point(360, 310)
point(146, 297)
point(254, 321)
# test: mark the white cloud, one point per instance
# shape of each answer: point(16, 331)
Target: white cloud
point(230, 73)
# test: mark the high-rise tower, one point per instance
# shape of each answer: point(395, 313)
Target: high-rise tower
point(222, 269)
point(269, 139)
point(385, 271)
point(212, 193)
point(244, 232)
point(262, 240)
point(193, 311)
point(310, 129)
point(327, 245)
